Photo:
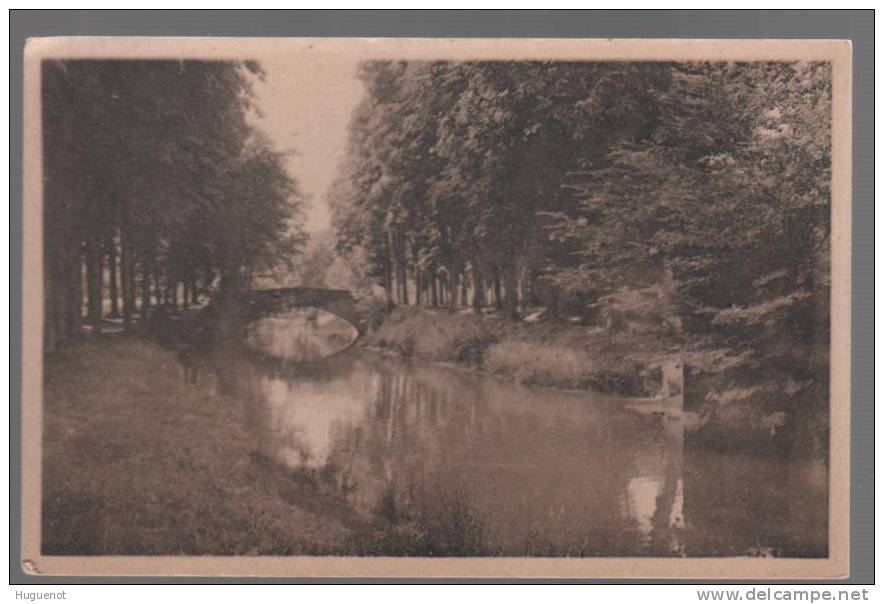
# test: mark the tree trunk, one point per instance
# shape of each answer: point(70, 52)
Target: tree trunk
point(113, 282)
point(418, 286)
point(92, 311)
point(525, 287)
point(403, 268)
point(145, 289)
point(478, 288)
point(498, 303)
point(388, 278)
point(98, 286)
point(443, 291)
point(453, 286)
point(74, 290)
point(184, 300)
point(520, 286)
point(392, 263)
point(173, 295)
point(434, 288)
point(511, 308)
point(397, 273)
point(129, 286)
point(157, 289)
point(194, 291)
point(397, 246)
point(420, 277)
point(126, 276)
point(92, 256)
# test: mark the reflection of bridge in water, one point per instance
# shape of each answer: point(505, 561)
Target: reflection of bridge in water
point(454, 463)
point(261, 303)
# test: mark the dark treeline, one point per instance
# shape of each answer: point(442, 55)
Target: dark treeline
point(157, 191)
point(694, 192)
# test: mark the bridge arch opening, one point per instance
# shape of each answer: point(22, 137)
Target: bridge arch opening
point(301, 335)
point(262, 303)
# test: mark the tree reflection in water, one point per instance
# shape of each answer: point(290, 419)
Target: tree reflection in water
point(444, 462)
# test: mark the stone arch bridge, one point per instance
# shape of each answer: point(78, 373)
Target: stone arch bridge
point(341, 302)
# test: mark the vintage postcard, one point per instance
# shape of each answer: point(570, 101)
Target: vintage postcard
point(499, 308)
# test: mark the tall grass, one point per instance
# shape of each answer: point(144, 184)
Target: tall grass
point(528, 354)
point(540, 354)
point(539, 364)
point(433, 335)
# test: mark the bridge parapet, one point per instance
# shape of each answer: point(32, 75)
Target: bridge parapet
point(341, 302)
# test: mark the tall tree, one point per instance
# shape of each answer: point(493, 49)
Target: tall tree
point(160, 156)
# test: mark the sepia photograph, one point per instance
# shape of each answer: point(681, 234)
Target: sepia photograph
point(377, 307)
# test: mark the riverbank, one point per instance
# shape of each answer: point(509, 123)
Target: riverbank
point(546, 354)
point(729, 412)
point(142, 455)
point(138, 462)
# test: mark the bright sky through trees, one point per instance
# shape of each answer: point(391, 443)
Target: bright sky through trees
point(306, 101)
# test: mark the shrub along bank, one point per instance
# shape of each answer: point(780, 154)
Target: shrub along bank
point(548, 354)
point(562, 355)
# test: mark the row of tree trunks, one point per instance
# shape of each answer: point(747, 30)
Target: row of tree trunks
point(504, 286)
point(426, 290)
point(508, 287)
point(74, 271)
point(93, 259)
point(106, 193)
point(397, 253)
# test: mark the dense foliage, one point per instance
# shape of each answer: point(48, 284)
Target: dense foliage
point(155, 182)
point(689, 200)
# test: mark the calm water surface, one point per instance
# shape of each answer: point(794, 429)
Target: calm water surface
point(470, 465)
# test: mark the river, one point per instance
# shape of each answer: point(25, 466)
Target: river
point(449, 462)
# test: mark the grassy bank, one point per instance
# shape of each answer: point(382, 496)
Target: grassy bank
point(137, 462)
point(562, 355)
point(545, 354)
